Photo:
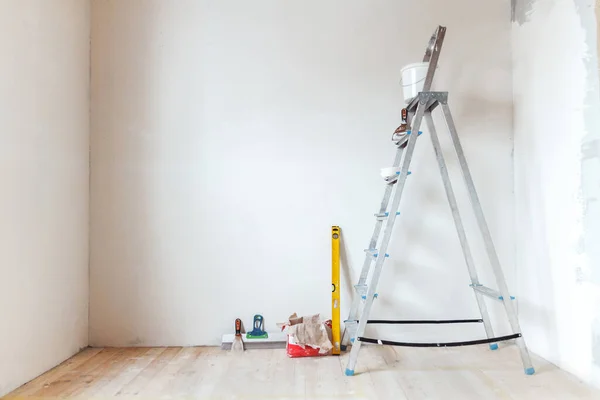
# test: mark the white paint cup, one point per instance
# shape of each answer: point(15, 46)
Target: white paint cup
point(413, 79)
point(389, 172)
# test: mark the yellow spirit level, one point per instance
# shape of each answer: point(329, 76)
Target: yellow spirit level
point(335, 288)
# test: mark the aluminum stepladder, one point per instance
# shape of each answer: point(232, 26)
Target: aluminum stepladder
point(418, 109)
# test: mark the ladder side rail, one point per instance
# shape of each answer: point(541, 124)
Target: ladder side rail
point(356, 300)
point(487, 238)
point(460, 229)
point(387, 234)
point(433, 61)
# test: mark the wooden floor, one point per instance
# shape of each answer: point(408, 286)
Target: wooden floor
point(382, 373)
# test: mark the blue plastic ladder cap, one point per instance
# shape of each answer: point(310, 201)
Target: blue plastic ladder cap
point(502, 297)
point(528, 371)
point(409, 173)
point(376, 295)
point(494, 346)
point(420, 133)
point(349, 372)
point(352, 340)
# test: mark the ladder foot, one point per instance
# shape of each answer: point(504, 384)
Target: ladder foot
point(350, 372)
point(343, 347)
point(528, 371)
point(494, 346)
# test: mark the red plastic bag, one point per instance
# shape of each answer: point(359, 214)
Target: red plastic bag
point(296, 350)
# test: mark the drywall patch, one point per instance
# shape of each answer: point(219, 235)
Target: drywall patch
point(556, 128)
point(590, 154)
point(590, 170)
point(521, 10)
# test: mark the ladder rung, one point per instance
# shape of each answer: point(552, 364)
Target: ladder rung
point(351, 328)
point(361, 290)
point(374, 252)
point(381, 217)
point(374, 296)
point(491, 293)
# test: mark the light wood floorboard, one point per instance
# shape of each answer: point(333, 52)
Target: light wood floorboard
point(381, 373)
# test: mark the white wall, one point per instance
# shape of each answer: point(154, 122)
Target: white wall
point(229, 136)
point(44, 139)
point(557, 170)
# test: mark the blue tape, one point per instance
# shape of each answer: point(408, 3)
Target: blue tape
point(528, 371)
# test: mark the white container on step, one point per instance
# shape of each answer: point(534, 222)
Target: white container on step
point(390, 172)
point(413, 79)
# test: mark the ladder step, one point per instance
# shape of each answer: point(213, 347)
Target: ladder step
point(394, 178)
point(491, 293)
point(381, 217)
point(362, 290)
point(374, 252)
point(351, 328)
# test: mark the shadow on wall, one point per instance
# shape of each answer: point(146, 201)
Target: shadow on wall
point(346, 270)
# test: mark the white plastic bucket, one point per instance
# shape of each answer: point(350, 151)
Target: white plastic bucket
point(413, 79)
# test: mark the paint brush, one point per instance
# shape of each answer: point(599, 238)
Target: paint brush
point(238, 343)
